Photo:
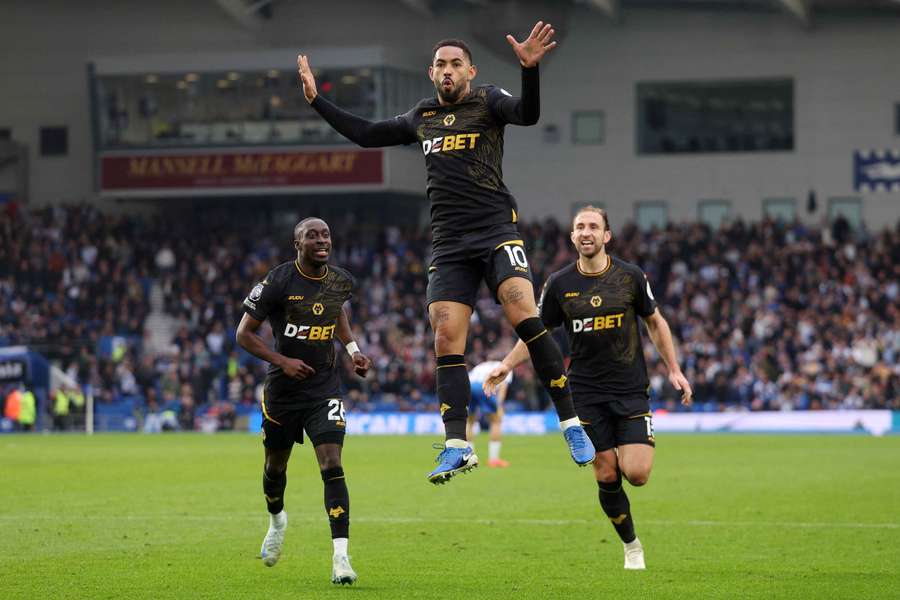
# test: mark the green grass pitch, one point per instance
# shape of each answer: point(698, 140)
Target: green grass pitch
point(182, 516)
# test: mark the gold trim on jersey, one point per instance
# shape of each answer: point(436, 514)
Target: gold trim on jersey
point(453, 365)
point(299, 270)
point(515, 217)
point(510, 243)
point(641, 416)
point(598, 273)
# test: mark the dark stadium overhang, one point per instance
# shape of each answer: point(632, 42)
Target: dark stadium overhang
point(802, 11)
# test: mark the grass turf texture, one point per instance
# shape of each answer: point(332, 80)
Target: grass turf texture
point(182, 516)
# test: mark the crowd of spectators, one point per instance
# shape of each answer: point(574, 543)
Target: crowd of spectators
point(767, 315)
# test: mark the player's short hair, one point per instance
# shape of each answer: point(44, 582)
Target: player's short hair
point(456, 44)
point(593, 209)
point(299, 226)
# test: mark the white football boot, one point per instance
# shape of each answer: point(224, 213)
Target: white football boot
point(341, 571)
point(634, 555)
point(274, 540)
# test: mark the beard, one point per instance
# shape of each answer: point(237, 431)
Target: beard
point(594, 252)
point(450, 96)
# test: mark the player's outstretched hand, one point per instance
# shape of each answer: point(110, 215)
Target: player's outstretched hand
point(494, 378)
point(307, 81)
point(296, 368)
point(361, 364)
point(679, 381)
point(535, 46)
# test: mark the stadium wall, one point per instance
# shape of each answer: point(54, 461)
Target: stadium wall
point(842, 69)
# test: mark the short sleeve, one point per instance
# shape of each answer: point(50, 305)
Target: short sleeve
point(644, 302)
point(262, 299)
point(548, 307)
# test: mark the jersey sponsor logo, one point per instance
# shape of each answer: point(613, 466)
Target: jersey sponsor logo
point(598, 323)
point(318, 308)
point(312, 333)
point(560, 382)
point(596, 301)
point(256, 292)
point(250, 304)
point(429, 113)
point(572, 294)
point(295, 298)
point(449, 120)
point(449, 143)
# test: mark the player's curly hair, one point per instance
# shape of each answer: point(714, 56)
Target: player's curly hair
point(456, 44)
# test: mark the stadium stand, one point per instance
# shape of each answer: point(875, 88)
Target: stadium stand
point(768, 315)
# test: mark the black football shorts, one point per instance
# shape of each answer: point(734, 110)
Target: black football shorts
point(492, 256)
point(323, 421)
point(616, 422)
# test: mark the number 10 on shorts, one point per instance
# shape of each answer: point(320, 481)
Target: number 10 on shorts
point(336, 410)
point(516, 256)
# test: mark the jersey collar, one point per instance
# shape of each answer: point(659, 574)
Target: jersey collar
point(299, 270)
point(598, 273)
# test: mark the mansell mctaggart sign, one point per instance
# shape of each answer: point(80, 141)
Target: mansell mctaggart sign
point(263, 170)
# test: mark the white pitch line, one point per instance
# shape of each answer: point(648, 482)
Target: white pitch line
point(427, 520)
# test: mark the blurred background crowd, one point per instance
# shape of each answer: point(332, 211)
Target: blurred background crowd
point(767, 315)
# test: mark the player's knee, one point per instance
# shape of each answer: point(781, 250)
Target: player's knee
point(329, 461)
point(275, 467)
point(604, 471)
point(446, 341)
point(638, 477)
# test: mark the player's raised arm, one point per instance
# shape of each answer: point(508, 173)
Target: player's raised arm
point(527, 109)
point(532, 49)
point(368, 134)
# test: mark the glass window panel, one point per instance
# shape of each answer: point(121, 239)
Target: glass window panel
point(780, 209)
point(850, 208)
point(648, 215)
point(714, 212)
point(751, 115)
point(260, 107)
point(588, 127)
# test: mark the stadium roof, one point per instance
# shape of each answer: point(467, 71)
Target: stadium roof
point(252, 13)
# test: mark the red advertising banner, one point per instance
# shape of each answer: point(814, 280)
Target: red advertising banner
point(236, 169)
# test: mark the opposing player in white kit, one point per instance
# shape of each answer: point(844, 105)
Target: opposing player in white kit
point(489, 405)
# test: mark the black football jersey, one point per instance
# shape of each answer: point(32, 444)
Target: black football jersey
point(303, 312)
point(600, 312)
point(463, 148)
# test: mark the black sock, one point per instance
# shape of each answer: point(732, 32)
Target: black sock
point(273, 488)
point(454, 394)
point(548, 363)
point(615, 504)
point(337, 502)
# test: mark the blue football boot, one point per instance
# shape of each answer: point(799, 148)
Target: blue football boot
point(579, 445)
point(452, 461)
